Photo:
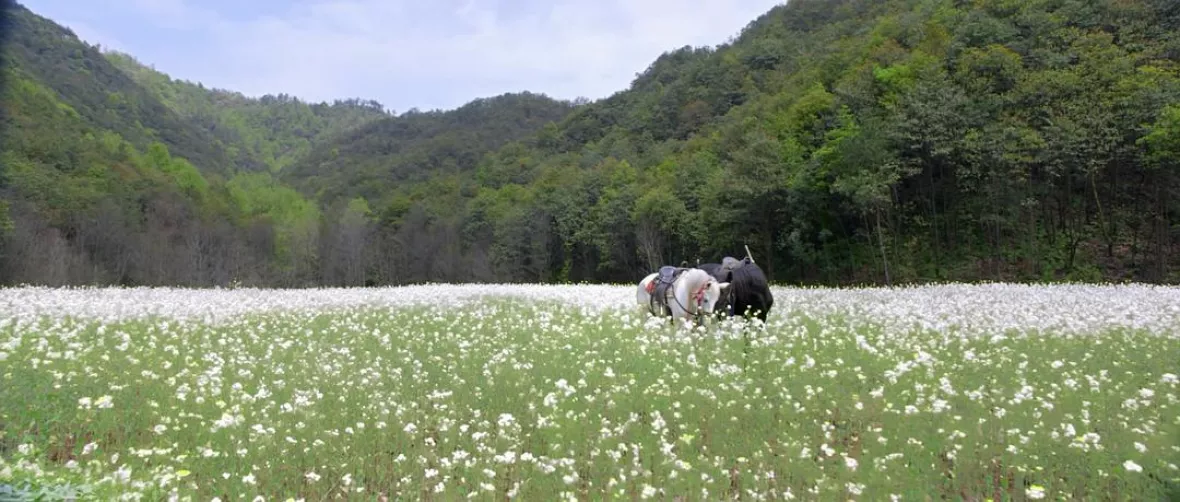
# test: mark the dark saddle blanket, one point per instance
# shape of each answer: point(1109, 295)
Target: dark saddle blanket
point(658, 287)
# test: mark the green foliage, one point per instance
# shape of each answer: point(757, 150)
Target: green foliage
point(258, 194)
point(1163, 139)
point(270, 132)
point(295, 220)
point(860, 162)
point(6, 225)
point(416, 146)
point(93, 90)
point(841, 141)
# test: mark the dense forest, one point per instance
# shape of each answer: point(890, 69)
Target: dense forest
point(842, 141)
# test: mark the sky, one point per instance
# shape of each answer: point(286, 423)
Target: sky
point(423, 54)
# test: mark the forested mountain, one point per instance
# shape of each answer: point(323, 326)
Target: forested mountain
point(113, 173)
point(100, 182)
point(843, 141)
point(373, 159)
point(269, 132)
point(98, 94)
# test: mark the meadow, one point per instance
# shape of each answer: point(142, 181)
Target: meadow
point(440, 392)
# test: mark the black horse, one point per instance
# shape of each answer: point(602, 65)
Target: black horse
point(748, 292)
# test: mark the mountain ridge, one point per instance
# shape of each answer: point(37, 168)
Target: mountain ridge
point(842, 141)
point(102, 95)
point(270, 131)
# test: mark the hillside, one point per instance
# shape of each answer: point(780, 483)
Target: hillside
point(169, 183)
point(843, 141)
point(101, 95)
point(381, 155)
point(270, 132)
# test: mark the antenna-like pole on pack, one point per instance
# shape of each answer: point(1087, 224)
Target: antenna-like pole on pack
point(748, 255)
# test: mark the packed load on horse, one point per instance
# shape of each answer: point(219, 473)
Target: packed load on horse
point(749, 291)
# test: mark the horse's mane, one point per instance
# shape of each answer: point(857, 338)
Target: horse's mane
point(706, 276)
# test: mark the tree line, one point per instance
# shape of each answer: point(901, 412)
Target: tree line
point(842, 141)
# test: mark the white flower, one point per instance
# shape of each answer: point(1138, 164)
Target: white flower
point(851, 463)
point(1035, 492)
point(1130, 465)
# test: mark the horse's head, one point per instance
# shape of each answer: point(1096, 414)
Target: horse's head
point(709, 293)
point(725, 302)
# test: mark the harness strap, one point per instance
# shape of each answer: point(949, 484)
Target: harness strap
point(700, 294)
point(696, 299)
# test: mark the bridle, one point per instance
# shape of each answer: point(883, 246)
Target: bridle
point(698, 300)
point(727, 300)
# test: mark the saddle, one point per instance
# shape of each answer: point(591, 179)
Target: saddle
point(658, 287)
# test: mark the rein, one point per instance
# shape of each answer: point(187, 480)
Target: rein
point(699, 296)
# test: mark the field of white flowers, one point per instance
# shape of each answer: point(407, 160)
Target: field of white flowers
point(442, 392)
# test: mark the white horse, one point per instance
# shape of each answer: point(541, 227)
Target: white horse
point(692, 295)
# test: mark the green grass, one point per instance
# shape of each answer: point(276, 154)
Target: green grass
point(315, 405)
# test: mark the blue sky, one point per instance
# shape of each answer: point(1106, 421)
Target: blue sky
point(404, 53)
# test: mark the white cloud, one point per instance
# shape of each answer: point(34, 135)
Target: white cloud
point(442, 53)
